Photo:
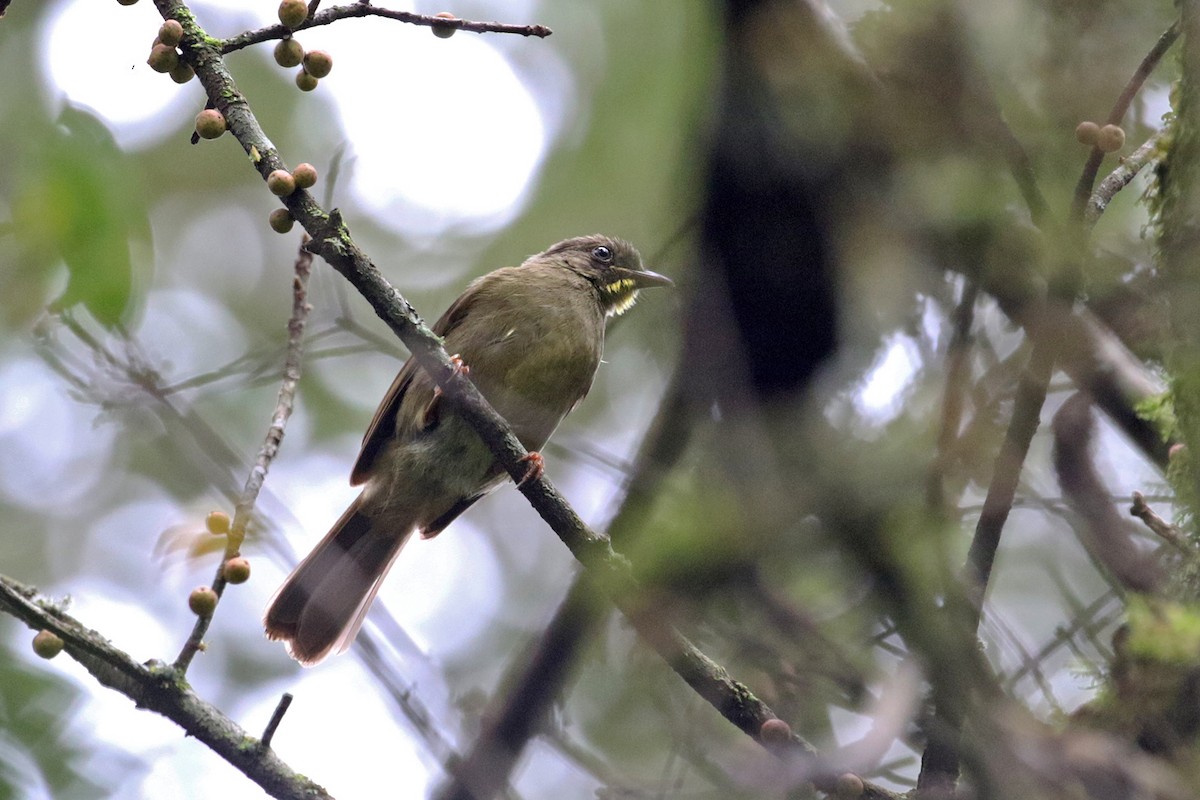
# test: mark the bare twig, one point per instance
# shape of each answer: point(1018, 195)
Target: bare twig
point(276, 718)
point(1160, 527)
point(523, 708)
point(1120, 177)
point(266, 454)
point(1083, 189)
point(159, 688)
point(1027, 407)
point(335, 13)
point(1104, 533)
point(958, 374)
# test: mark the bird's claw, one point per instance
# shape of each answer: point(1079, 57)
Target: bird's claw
point(457, 367)
point(537, 466)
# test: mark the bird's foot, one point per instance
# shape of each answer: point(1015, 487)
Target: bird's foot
point(537, 466)
point(457, 367)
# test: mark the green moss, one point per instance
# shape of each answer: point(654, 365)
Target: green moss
point(1164, 632)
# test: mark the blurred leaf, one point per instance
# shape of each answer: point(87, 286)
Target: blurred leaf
point(78, 201)
point(36, 707)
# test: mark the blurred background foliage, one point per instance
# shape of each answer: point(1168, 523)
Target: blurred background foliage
point(804, 514)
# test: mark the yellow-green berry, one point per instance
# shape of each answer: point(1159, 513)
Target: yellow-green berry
point(289, 53)
point(281, 183)
point(292, 13)
point(183, 72)
point(441, 29)
point(210, 123)
point(171, 33)
point(217, 522)
point(1086, 132)
point(163, 58)
point(202, 601)
point(305, 175)
point(1111, 138)
point(281, 220)
point(305, 81)
point(47, 644)
point(318, 63)
point(236, 570)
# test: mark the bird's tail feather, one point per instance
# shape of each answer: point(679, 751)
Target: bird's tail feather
point(322, 604)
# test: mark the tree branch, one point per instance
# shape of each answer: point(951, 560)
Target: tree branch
point(266, 454)
point(160, 688)
point(336, 13)
point(332, 241)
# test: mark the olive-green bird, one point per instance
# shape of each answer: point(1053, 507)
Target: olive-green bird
point(530, 338)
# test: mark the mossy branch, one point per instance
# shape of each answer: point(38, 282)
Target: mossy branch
point(160, 688)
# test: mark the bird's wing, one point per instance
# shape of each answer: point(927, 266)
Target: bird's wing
point(383, 425)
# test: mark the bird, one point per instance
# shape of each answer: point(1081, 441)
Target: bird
point(531, 338)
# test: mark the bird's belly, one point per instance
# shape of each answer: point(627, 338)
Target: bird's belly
point(423, 476)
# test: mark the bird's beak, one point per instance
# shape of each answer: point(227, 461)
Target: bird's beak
point(645, 279)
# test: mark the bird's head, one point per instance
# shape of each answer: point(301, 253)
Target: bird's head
point(613, 266)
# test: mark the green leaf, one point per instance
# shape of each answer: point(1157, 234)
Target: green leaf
point(78, 201)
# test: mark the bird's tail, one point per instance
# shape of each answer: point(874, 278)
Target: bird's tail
point(322, 604)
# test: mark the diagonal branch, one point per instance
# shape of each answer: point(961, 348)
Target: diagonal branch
point(162, 689)
point(332, 241)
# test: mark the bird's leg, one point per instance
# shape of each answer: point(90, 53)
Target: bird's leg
point(458, 367)
point(537, 465)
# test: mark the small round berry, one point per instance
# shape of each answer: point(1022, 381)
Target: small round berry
point(281, 220)
point(292, 13)
point(1111, 138)
point(442, 30)
point(849, 786)
point(281, 183)
point(318, 63)
point(305, 175)
point(202, 601)
point(171, 33)
point(163, 58)
point(210, 123)
point(305, 81)
point(236, 570)
point(775, 731)
point(217, 522)
point(1086, 132)
point(183, 72)
point(288, 53)
point(126, 2)
point(47, 644)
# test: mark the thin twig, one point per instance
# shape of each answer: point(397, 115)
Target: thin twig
point(1104, 533)
point(531, 690)
point(335, 13)
point(159, 688)
point(941, 758)
point(1120, 177)
point(1159, 526)
point(276, 718)
point(266, 454)
point(958, 375)
point(1083, 189)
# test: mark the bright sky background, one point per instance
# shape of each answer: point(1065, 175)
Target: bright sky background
point(484, 132)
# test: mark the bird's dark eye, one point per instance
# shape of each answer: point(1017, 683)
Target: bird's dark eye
point(602, 253)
